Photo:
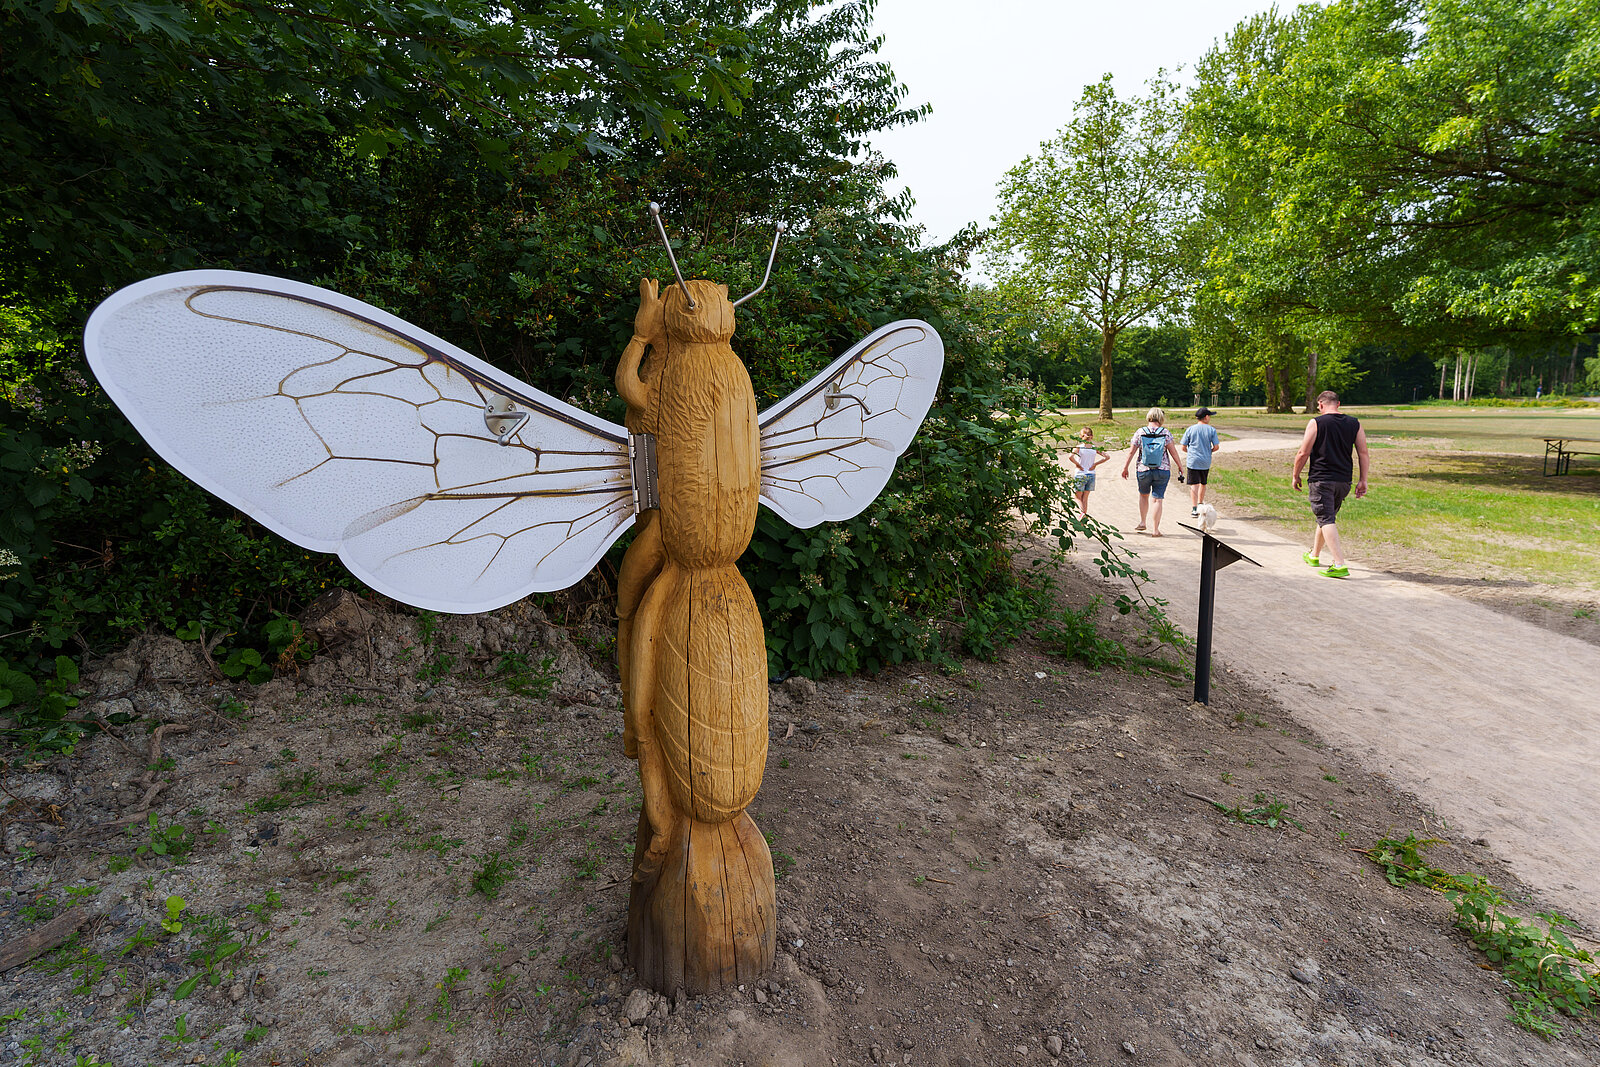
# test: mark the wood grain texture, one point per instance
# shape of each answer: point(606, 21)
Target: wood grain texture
point(702, 912)
point(710, 706)
point(708, 920)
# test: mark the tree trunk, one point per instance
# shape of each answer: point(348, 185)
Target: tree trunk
point(1271, 380)
point(1311, 381)
point(1108, 344)
point(1441, 380)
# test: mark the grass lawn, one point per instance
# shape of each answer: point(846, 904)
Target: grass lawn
point(1454, 492)
point(1518, 431)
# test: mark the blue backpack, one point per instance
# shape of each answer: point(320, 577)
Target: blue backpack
point(1152, 447)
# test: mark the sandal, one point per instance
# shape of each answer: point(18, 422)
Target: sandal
point(1139, 528)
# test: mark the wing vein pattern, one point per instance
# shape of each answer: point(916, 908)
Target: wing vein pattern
point(348, 430)
point(828, 450)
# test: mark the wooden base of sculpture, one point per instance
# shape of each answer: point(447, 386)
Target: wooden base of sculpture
point(708, 918)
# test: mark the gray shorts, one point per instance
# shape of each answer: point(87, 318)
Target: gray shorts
point(1325, 499)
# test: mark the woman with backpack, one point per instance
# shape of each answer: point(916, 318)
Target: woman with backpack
point(1157, 456)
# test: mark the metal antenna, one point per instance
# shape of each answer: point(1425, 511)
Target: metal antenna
point(782, 226)
point(655, 213)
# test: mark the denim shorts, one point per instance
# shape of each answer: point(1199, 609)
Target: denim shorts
point(1083, 482)
point(1154, 482)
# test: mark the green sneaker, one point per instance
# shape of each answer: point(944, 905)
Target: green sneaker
point(1335, 571)
point(1311, 561)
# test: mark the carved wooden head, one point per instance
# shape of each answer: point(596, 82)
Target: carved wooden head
point(709, 321)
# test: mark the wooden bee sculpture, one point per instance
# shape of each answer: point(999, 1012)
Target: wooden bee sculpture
point(447, 484)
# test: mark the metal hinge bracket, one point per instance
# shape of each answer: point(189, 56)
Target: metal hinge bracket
point(642, 460)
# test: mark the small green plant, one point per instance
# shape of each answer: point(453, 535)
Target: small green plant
point(588, 864)
point(173, 840)
point(272, 901)
point(142, 939)
point(1549, 976)
point(208, 957)
point(246, 663)
point(180, 1031)
point(1268, 811)
point(172, 924)
point(1074, 635)
point(442, 1007)
point(524, 678)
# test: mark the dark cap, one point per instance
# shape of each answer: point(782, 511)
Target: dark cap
point(1203, 413)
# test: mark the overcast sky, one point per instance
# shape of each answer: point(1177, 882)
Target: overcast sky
point(1002, 76)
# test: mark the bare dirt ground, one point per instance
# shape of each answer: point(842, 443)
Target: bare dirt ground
point(421, 848)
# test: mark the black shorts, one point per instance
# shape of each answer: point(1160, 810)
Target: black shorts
point(1325, 500)
point(1198, 475)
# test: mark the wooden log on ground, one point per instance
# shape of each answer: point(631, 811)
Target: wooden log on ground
point(42, 939)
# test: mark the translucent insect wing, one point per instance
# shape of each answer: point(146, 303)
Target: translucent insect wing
point(828, 450)
point(346, 429)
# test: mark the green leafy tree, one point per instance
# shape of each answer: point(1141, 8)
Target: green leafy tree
point(1097, 227)
point(151, 134)
point(1415, 173)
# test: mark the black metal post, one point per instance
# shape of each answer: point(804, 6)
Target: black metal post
point(1208, 598)
point(1214, 555)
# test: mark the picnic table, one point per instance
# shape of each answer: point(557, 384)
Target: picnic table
point(1556, 448)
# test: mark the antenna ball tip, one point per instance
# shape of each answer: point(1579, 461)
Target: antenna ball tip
point(655, 208)
point(783, 227)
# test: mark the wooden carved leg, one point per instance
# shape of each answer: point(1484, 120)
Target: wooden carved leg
point(640, 565)
point(707, 919)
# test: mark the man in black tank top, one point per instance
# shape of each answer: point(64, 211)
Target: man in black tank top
point(1327, 444)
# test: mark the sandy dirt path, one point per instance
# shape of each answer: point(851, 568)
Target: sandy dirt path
point(1487, 719)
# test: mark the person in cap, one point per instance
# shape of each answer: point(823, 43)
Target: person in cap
point(1198, 444)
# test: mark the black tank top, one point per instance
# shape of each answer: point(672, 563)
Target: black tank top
point(1330, 455)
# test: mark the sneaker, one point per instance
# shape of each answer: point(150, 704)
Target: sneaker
point(1335, 571)
point(1194, 513)
point(1311, 561)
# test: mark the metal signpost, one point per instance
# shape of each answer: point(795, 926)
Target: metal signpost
point(1214, 555)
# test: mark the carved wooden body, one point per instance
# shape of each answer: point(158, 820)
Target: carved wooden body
point(693, 656)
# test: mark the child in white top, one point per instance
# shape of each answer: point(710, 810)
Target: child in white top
point(1086, 458)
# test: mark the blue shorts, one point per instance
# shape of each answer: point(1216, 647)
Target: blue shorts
point(1083, 482)
point(1154, 482)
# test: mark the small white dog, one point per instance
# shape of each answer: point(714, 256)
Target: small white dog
point(1208, 517)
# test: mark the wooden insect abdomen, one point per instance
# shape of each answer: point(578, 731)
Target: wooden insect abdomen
point(711, 693)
